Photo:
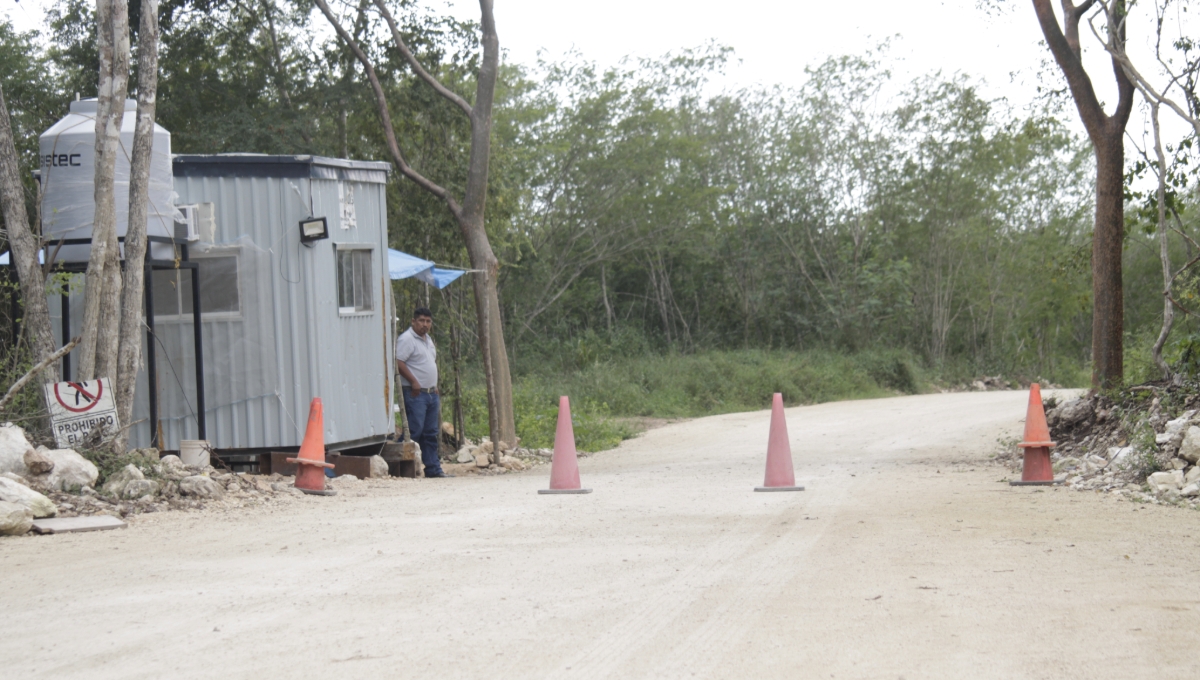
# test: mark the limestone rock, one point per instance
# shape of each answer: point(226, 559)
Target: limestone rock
point(1174, 427)
point(1164, 481)
point(39, 505)
point(379, 467)
point(1190, 491)
point(13, 445)
point(1073, 412)
point(1068, 463)
point(481, 458)
point(286, 487)
point(172, 467)
point(147, 457)
point(510, 463)
point(116, 483)
point(485, 448)
point(1192, 475)
point(1189, 450)
point(465, 455)
point(37, 462)
point(71, 471)
point(139, 488)
point(1120, 456)
point(200, 487)
point(1177, 463)
point(15, 519)
point(15, 477)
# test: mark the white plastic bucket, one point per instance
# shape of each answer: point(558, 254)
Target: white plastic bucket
point(194, 452)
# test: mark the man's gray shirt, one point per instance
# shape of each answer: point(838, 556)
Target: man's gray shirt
point(420, 355)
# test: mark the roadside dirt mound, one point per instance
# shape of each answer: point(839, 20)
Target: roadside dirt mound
point(1132, 441)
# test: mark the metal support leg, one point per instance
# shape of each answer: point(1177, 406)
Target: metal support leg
point(198, 333)
point(66, 332)
point(151, 364)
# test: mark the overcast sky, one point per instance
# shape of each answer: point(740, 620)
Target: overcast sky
point(775, 39)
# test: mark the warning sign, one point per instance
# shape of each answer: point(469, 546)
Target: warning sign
point(77, 408)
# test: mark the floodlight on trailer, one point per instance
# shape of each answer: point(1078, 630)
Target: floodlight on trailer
point(313, 229)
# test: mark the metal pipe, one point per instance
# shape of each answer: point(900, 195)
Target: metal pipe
point(151, 365)
point(198, 332)
point(66, 330)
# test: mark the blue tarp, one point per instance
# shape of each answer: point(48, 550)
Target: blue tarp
point(402, 266)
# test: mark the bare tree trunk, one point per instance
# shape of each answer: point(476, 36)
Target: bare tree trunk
point(470, 213)
point(98, 354)
point(133, 290)
point(1163, 253)
point(24, 245)
point(608, 310)
point(1107, 135)
point(1108, 306)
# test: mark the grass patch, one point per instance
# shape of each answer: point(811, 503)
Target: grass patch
point(686, 386)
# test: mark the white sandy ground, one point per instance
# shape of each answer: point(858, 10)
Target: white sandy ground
point(906, 557)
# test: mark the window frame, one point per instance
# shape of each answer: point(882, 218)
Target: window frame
point(187, 317)
point(368, 284)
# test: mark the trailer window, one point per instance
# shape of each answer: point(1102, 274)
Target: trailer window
point(219, 291)
point(354, 280)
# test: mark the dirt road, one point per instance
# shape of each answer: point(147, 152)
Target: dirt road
point(906, 557)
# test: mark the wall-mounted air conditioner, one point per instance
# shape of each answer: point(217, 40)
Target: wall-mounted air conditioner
point(198, 222)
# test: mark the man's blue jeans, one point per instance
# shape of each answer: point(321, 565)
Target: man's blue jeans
point(422, 411)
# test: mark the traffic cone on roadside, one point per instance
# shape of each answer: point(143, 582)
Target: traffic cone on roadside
point(564, 467)
point(310, 477)
point(780, 476)
point(1037, 471)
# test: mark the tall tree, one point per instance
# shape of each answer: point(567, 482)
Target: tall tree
point(1107, 134)
point(98, 353)
point(24, 246)
point(28, 101)
point(132, 289)
point(469, 213)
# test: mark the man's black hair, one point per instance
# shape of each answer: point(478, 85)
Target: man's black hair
point(422, 311)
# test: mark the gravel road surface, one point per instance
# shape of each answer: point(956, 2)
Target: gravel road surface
point(907, 556)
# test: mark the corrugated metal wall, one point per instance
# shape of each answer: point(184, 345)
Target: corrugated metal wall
point(287, 343)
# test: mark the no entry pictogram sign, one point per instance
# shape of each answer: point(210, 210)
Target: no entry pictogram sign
point(77, 408)
point(79, 397)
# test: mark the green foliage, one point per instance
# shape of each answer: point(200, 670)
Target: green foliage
point(609, 387)
point(110, 463)
point(535, 405)
point(669, 250)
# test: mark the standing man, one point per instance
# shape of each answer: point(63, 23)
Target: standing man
point(416, 362)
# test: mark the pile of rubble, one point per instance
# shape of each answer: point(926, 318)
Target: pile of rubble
point(995, 383)
point(481, 458)
point(37, 482)
point(1139, 447)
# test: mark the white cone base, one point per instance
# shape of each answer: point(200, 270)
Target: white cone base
point(779, 488)
point(564, 490)
point(323, 492)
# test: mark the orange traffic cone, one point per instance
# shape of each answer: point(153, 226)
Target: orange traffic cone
point(310, 478)
point(1038, 470)
point(780, 476)
point(564, 467)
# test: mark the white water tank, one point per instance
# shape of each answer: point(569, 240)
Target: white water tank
point(68, 168)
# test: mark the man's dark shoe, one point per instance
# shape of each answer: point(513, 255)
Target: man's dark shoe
point(435, 475)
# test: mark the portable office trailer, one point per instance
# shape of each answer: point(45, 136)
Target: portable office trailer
point(284, 318)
